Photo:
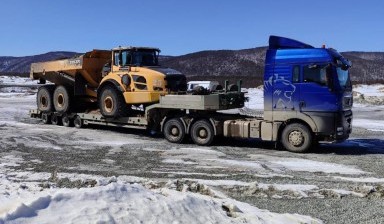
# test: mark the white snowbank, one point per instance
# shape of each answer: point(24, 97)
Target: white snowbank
point(133, 203)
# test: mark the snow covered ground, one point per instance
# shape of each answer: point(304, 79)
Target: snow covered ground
point(55, 174)
point(15, 80)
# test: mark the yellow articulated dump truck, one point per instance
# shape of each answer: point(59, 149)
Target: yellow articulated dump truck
point(116, 80)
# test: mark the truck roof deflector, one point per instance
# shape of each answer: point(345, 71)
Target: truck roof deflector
point(276, 42)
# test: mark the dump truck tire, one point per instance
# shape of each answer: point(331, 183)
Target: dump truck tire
point(112, 103)
point(62, 99)
point(174, 130)
point(296, 138)
point(202, 132)
point(44, 98)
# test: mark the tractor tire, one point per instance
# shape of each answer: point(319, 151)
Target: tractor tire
point(174, 130)
point(112, 103)
point(202, 132)
point(62, 99)
point(296, 138)
point(44, 99)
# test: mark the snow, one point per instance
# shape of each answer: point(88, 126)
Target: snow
point(116, 201)
point(305, 165)
point(373, 125)
point(16, 80)
point(255, 98)
point(361, 179)
point(370, 90)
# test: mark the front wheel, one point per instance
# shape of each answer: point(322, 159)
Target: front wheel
point(202, 132)
point(112, 103)
point(296, 138)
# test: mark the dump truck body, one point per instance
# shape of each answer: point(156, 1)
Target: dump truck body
point(87, 68)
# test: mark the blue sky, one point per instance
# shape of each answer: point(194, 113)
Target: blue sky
point(180, 27)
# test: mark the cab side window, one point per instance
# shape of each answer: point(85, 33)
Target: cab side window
point(116, 58)
point(315, 73)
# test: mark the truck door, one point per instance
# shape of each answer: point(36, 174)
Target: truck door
point(315, 94)
point(285, 92)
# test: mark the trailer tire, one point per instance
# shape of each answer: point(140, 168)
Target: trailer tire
point(45, 118)
point(44, 99)
point(112, 103)
point(174, 130)
point(55, 119)
point(296, 138)
point(62, 99)
point(67, 122)
point(78, 122)
point(202, 132)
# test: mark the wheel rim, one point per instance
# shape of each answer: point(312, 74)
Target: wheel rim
point(44, 102)
point(296, 138)
point(175, 131)
point(60, 100)
point(202, 133)
point(108, 104)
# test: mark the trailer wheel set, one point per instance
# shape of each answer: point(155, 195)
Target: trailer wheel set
point(201, 131)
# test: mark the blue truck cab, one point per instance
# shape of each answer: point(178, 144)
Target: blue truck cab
point(307, 92)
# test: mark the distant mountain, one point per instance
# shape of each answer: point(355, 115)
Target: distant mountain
point(232, 65)
point(22, 65)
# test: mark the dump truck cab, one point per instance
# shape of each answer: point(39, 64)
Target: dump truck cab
point(307, 86)
point(134, 77)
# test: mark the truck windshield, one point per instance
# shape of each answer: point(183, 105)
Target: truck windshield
point(144, 58)
point(343, 76)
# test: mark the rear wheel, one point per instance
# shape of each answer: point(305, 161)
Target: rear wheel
point(174, 130)
point(296, 138)
point(44, 99)
point(62, 99)
point(45, 118)
point(112, 103)
point(55, 119)
point(202, 132)
point(78, 122)
point(66, 121)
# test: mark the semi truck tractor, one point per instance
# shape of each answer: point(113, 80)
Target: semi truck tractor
point(307, 99)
